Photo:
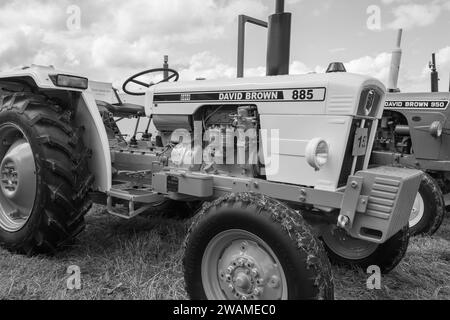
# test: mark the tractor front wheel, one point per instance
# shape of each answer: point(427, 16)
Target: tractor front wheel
point(349, 252)
point(428, 209)
point(251, 247)
point(44, 176)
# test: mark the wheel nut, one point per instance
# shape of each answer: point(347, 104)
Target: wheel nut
point(230, 269)
point(274, 282)
point(228, 278)
point(254, 273)
point(257, 292)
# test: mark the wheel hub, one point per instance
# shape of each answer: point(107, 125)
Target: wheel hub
point(9, 177)
point(17, 179)
point(237, 265)
point(243, 278)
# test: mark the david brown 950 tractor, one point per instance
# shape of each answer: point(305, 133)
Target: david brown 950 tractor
point(278, 163)
point(414, 133)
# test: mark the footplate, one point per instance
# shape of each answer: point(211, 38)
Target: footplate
point(133, 201)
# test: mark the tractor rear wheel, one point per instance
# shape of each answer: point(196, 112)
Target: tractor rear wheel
point(428, 209)
point(349, 252)
point(44, 175)
point(251, 247)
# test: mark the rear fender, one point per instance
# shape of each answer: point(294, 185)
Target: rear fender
point(96, 139)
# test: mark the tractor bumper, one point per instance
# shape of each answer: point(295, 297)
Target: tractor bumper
point(387, 194)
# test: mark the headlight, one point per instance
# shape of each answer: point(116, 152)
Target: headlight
point(436, 129)
point(66, 81)
point(317, 152)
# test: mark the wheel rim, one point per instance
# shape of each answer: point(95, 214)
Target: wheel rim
point(417, 211)
point(17, 178)
point(238, 265)
point(345, 246)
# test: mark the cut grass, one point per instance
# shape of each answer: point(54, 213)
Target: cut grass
point(141, 259)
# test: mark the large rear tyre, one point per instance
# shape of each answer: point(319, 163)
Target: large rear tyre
point(428, 210)
point(346, 251)
point(250, 247)
point(44, 174)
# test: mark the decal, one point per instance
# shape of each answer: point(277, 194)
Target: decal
point(437, 104)
point(275, 95)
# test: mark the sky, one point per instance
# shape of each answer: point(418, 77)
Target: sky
point(109, 40)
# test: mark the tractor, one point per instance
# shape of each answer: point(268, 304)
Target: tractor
point(414, 133)
point(274, 171)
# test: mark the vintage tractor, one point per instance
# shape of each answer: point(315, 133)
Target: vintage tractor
point(414, 133)
point(274, 165)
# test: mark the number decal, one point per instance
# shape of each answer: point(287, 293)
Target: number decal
point(362, 142)
point(303, 94)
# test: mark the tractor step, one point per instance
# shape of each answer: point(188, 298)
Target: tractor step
point(129, 197)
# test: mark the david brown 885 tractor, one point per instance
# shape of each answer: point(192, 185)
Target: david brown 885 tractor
point(265, 210)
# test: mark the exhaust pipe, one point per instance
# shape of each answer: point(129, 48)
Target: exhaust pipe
point(395, 64)
point(279, 41)
point(434, 74)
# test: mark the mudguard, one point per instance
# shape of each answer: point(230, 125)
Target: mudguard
point(88, 116)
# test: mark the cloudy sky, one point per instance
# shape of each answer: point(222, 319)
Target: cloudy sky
point(110, 40)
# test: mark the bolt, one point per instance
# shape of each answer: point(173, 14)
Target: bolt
point(260, 282)
point(354, 184)
point(228, 278)
point(244, 246)
point(302, 197)
point(343, 221)
point(230, 269)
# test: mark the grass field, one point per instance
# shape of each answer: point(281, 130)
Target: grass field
point(141, 259)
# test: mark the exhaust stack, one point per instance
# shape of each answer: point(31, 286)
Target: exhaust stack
point(434, 74)
point(395, 64)
point(279, 41)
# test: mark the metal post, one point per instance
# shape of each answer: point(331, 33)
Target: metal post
point(241, 47)
point(434, 74)
point(279, 6)
point(395, 64)
point(166, 66)
point(243, 19)
point(279, 41)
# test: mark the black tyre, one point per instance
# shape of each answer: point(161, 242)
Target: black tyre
point(346, 251)
point(44, 174)
point(249, 246)
point(429, 208)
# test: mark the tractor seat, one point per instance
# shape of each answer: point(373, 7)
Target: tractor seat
point(122, 110)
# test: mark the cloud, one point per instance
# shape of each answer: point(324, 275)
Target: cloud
point(408, 15)
point(116, 38)
point(377, 66)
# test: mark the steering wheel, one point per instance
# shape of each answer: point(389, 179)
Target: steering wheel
point(133, 79)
